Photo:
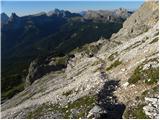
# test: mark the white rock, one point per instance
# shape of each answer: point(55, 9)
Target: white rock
point(153, 100)
point(125, 84)
point(123, 69)
point(149, 80)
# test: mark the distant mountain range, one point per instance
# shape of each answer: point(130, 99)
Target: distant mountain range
point(17, 31)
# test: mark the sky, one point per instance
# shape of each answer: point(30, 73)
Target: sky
point(22, 8)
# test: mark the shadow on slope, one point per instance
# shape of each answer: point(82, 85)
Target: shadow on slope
point(108, 102)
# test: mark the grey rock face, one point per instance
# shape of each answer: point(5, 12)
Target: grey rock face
point(31, 73)
point(152, 107)
point(141, 20)
point(107, 16)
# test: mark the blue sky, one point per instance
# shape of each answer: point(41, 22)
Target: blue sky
point(22, 8)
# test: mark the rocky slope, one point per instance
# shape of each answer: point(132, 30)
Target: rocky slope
point(116, 78)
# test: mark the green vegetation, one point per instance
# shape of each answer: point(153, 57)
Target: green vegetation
point(112, 56)
point(82, 106)
point(154, 40)
point(13, 74)
point(11, 92)
point(88, 49)
point(41, 110)
point(113, 65)
point(136, 76)
point(136, 113)
point(150, 91)
point(150, 75)
point(61, 60)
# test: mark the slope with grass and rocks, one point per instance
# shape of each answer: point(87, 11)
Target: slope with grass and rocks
point(115, 78)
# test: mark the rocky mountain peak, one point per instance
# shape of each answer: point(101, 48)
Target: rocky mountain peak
point(122, 12)
point(4, 18)
point(57, 12)
point(13, 17)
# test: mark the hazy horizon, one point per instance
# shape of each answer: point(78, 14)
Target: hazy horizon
point(22, 8)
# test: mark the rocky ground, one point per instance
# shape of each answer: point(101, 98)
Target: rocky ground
point(118, 81)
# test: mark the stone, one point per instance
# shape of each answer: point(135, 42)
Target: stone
point(153, 100)
point(125, 84)
point(123, 69)
point(96, 112)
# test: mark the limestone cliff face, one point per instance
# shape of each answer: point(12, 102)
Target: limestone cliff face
point(143, 19)
point(118, 81)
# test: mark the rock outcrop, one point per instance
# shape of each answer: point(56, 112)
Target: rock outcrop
point(41, 66)
point(152, 109)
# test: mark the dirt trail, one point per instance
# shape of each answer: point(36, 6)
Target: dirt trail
point(106, 98)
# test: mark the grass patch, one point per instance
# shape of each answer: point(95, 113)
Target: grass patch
point(82, 106)
point(150, 75)
point(154, 40)
point(113, 65)
point(61, 60)
point(136, 76)
point(88, 49)
point(150, 91)
point(112, 56)
point(10, 93)
point(42, 110)
point(136, 113)
point(153, 75)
